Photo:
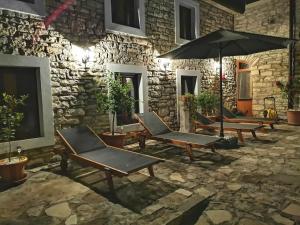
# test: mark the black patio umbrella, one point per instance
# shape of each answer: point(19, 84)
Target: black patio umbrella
point(226, 43)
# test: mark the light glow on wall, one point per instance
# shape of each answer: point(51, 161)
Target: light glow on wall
point(85, 56)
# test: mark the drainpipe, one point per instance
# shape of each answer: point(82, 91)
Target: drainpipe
point(292, 50)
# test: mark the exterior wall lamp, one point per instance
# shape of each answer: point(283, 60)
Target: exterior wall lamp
point(83, 55)
point(164, 64)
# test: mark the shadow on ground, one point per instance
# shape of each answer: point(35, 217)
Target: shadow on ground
point(134, 192)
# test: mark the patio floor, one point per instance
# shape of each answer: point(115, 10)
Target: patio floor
point(258, 183)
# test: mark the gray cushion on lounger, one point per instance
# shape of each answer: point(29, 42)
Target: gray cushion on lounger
point(202, 119)
point(82, 139)
point(153, 123)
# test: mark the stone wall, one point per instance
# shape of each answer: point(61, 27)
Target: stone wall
point(270, 17)
point(73, 86)
point(298, 46)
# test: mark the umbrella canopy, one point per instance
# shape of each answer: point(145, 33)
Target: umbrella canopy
point(226, 43)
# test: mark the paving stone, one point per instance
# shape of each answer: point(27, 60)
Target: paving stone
point(292, 138)
point(202, 221)
point(177, 177)
point(234, 186)
point(219, 216)
point(184, 192)
point(152, 208)
point(72, 220)
point(61, 210)
point(246, 221)
point(226, 170)
point(137, 177)
point(293, 210)
point(35, 211)
point(204, 192)
point(282, 220)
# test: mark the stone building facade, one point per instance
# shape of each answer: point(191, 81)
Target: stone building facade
point(298, 46)
point(83, 24)
point(269, 17)
point(73, 85)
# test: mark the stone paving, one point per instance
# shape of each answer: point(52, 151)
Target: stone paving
point(256, 184)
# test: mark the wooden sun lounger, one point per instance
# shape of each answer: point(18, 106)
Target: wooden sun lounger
point(205, 123)
point(156, 129)
point(230, 117)
point(85, 147)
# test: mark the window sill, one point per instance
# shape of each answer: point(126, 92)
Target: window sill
point(130, 128)
point(28, 144)
point(180, 41)
point(125, 30)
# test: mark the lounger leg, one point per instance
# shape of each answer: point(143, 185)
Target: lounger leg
point(188, 149)
point(142, 141)
point(253, 134)
point(151, 172)
point(109, 181)
point(64, 163)
point(213, 148)
point(240, 136)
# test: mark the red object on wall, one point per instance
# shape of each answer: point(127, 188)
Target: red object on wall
point(57, 12)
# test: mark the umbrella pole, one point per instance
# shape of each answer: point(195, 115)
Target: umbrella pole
point(221, 95)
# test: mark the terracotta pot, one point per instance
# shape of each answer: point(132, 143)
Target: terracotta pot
point(293, 117)
point(13, 172)
point(116, 140)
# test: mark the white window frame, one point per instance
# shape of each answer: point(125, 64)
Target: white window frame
point(189, 4)
point(190, 73)
point(44, 98)
point(114, 27)
point(36, 8)
point(143, 88)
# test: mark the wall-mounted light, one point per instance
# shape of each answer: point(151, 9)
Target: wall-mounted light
point(216, 67)
point(83, 55)
point(164, 64)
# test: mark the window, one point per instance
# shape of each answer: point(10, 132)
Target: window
point(29, 75)
point(137, 77)
point(244, 85)
point(187, 23)
point(125, 117)
point(36, 7)
point(187, 20)
point(23, 81)
point(188, 84)
point(127, 16)
point(125, 12)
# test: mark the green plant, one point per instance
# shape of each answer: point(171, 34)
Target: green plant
point(10, 117)
point(289, 89)
point(207, 102)
point(191, 104)
point(116, 99)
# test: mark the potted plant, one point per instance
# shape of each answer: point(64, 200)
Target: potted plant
point(289, 90)
point(207, 102)
point(115, 100)
point(11, 168)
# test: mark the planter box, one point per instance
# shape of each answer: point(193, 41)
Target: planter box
point(14, 171)
point(293, 117)
point(116, 141)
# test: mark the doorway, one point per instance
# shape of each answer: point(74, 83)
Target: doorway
point(244, 88)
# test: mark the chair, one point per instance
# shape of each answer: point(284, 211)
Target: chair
point(85, 147)
point(231, 117)
point(156, 129)
point(205, 123)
